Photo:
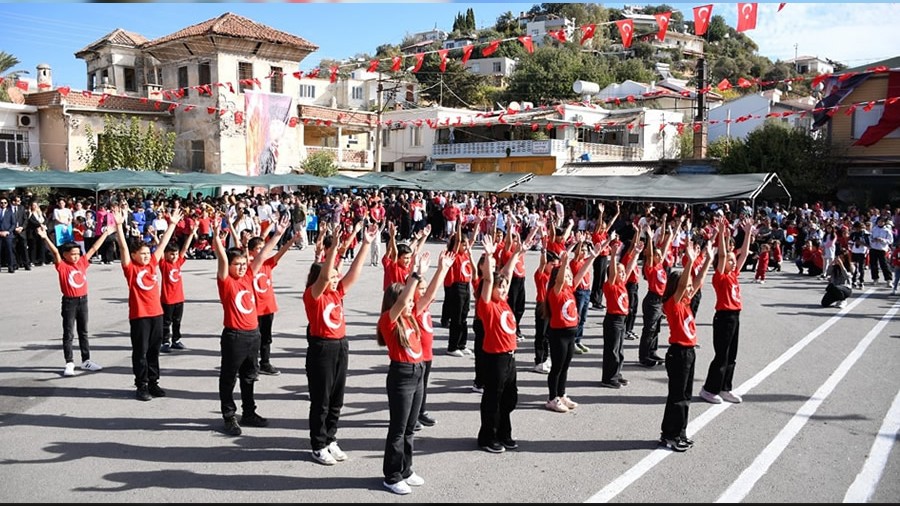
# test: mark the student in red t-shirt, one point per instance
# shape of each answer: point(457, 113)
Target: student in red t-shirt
point(549, 261)
point(71, 267)
point(266, 305)
point(680, 356)
point(172, 295)
point(423, 298)
point(400, 330)
point(616, 295)
point(327, 351)
point(145, 312)
point(498, 360)
point(397, 260)
point(655, 272)
point(239, 344)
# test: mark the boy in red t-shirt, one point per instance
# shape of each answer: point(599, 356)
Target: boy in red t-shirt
point(145, 312)
point(72, 268)
point(172, 295)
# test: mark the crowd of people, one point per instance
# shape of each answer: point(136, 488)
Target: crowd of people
point(593, 256)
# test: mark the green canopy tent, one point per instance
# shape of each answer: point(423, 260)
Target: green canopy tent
point(339, 181)
point(387, 180)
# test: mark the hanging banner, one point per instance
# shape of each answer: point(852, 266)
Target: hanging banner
point(266, 116)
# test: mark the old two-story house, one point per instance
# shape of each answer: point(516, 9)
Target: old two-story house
point(864, 130)
point(19, 136)
point(498, 70)
point(525, 139)
point(669, 94)
point(737, 118)
point(811, 65)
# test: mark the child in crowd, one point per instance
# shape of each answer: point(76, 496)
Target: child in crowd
point(172, 294)
point(72, 267)
point(762, 264)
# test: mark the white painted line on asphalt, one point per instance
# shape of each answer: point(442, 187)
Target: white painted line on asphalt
point(758, 468)
point(867, 480)
point(616, 486)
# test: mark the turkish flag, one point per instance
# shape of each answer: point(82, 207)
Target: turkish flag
point(373, 66)
point(293, 121)
point(626, 30)
point(528, 43)
point(420, 57)
point(781, 6)
point(396, 61)
point(743, 83)
point(701, 18)
point(189, 108)
point(663, 21)
point(489, 50)
point(211, 110)
point(238, 118)
point(334, 74)
point(467, 53)
point(172, 107)
point(314, 73)
point(43, 86)
point(22, 85)
point(746, 17)
point(890, 118)
point(724, 85)
point(559, 35)
point(587, 32)
point(64, 90)
point(443, 54)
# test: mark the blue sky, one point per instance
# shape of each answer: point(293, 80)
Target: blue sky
point(855, 33)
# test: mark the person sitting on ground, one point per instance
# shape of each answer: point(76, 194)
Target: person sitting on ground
point(811, 259)
point(838, 290)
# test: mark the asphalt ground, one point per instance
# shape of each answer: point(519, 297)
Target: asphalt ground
point(819, 421)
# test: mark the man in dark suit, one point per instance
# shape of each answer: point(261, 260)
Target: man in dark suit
point(7, 234)
point(20, 245)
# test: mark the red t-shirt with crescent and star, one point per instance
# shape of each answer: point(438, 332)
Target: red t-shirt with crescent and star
point(616, 296)
point(411, 354)
point(73, 277)
point(499, 326)
point(238, 302)
point(172, 285)
point(563, 311)
point(326, 314)
point(143, 289)
point(265, 292)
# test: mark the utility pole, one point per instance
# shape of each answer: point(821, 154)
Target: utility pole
point(700, 136)
point(378, 90)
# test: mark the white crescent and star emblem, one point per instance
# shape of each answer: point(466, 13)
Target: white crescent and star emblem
point(626, 28)
point(425, 321)
point(736, 292)
point(175, 275)
point(326, 316)
point(412, 354)
point(466, 268)
point(265, 285)
point(687, 326)
point(661, 276)
point(703, 12)
point(568, 311)
point(239, 301)
point(140, 281)
point(623, 300)
point(72, 282)
point(507, 322)
point(747, 10)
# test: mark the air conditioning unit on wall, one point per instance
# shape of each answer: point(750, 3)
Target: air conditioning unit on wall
point(26, 120)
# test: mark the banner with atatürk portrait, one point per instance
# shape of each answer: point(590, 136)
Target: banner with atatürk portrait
point(266, 116)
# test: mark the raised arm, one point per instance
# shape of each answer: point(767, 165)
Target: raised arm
point(704, 269)
point(120, 215)
point(723, 246)
point(42, 232)
point(487, 268)
point(747, 225)
point(421, 237)
point(445, 261)
point(189, 239)
point(560, 280)
point(285, 247)
point(391, 249)
point(356, 267)
point(176, 216)
point(409, 289)
point(636, 248)
point(321, 282)
point(598, 227)
point(280, 228)
point(685, 283)
point(219, 234)
point(97, 244)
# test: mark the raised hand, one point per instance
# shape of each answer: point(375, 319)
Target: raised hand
point(177, 215)
point(423, 262)
point(638, 247)
point(487, 242)
point(371, 233)
point(42, 232)
point(447, 258)
point(283, 224)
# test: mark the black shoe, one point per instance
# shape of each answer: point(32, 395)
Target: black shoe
point(165, 348)
point(648, 363)
point(624, 382)
point(654, 356)
point(27, 267)
point(155, 391)
point(231, 426)
point(178, 345)
point(142, 394)
point(418, 426)
point(269, 369)
point(688, 441)
point(510, 444)
point(254, 420)
point(676, 445)
point(494, 447)
point(630, 336)
point(426, 419)
point(611, 384)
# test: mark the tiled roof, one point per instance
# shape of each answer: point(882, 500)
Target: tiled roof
point(232, 25)
point(117, 36)
point(78, 99)
point(341, 116)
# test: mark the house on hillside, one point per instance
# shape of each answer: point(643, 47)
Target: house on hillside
point(864, 129)
point(667, 94)
point(737, 118)
point(811, 65)
point(497, 69)
point(540, 25)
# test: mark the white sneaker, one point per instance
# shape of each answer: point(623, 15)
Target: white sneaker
point(556, 405)
point(323, 457)
point(842, 304)
point(466, 351)
point(70, 369)
point(709, 397)
point(456, 353)
point(89, 365)
point(730, 397)
point(399, 488)
point(569, 403)
point(415, 480)
point(540, 368)
point(336, 452)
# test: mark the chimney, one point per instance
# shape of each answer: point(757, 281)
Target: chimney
point(44, 77)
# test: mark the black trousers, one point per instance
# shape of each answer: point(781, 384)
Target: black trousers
point(457, 301)
point(239, 350)
point(265, 337)
point(326, 373)
point(516, 299)
point(424, 408)
point(613, 339)
point(172, 314)
point(726, 327)
point(541, 344)
point(601, 267)
point(680, 370)
point(146, 336)
point(478, 329)
point(499, 398)
point(74, 312)
point(405, 387)
point(21, 249)
point(7, 251)
point(878, 259)
point(562, 348)
point(835, 293)
point(632, 289)
point(695, 303)
point(653, 315)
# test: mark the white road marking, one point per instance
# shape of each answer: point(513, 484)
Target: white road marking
point(867, 480)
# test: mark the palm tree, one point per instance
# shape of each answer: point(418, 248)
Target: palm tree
point(9, 77)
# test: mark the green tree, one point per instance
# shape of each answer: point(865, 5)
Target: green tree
point(9, 77)
point(125, 145)
point(507, 25)
point(548, 74)
point(807, 166)
point(456, 87)
point(320, 163)
point(470, 20)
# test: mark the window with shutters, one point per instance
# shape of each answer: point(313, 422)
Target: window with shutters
point(276, 82)
point(245, 75)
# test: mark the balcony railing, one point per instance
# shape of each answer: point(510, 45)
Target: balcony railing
point(553, 147)
point(345, 158)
